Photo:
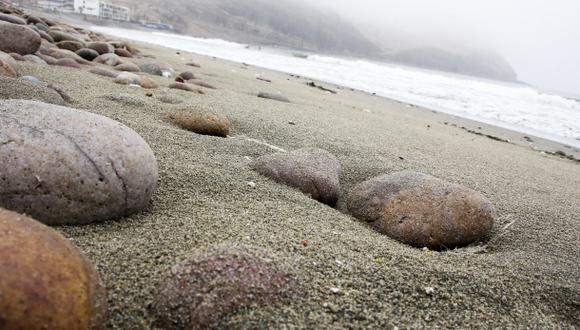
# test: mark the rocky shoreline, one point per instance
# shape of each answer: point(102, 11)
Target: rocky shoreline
point(170, 173)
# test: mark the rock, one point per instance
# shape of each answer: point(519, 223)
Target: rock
point(68, 62)
point(193, 64)
point(46, 58)
point(35, 20)
point(17, 57)
point(214, 283)
point(123, 52)
point(33, 80)
point(127, 78)
point(108, 59)
point(151, 68)
point(8, 59)
point(187, 75)
point(45, 47)
point(42, 27)
point(59, 36)
point(35, 59)
point(45, 36)
point(18, 39)
point(203, 84)
point(170, 98)
point(12, 19)
point(87, 54)
point(147, 83)
point(313, 171)
point(7, 70)
point(128, 67)
point(202, 123)
point(24, 90)
point(101, 47)
point(73, 46)
point(67, 166)
point(104, 72)
point(276, 97)
point(63, 53)
point(46, 276)
point(184, 87)
point(422, 211)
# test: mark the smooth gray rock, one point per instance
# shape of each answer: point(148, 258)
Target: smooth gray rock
point(66, 166)
point(313, 171)
point(108, 59)
point(422, 211)
point(151, 68)
point(18, 39)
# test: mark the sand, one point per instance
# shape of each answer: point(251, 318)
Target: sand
point(526, 276)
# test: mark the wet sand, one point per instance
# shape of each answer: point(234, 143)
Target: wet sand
point(526, 275)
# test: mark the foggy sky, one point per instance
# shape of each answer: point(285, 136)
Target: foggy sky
point(540, 38)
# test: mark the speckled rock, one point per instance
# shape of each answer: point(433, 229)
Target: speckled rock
point(104, 72)
point(101, 47)
point(16, 89)
point(46, 282)
point(66, 166)
point(276, 97)
point(202, 123)
point(108, 59)
point(128, 67)
point(73, 46)
point(87, 53)
point(33, 80)
point(214, 283)
point(18, 39)
point(313, 171)
point(422, 211)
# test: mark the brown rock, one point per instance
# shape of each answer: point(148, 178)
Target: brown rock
point(101, 47)
point(214, 283)
point(17, 57)
point(73, 46)
point(147, 83)
point(187, 75)
point(104, 72)
point(422, 211)
point(123, 52)
point(45, 36)
point(128, 67)
point(203, 84)
point(202, 123)
point(48, 59)
point(93, 170)
point(18, 39)
point(7, 70)
point(313, 171)
point(68, 62)
point(182, 86)
point(64, 53)
point(45, 281)
point(12, 19)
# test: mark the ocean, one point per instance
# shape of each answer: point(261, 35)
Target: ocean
point(513, 106)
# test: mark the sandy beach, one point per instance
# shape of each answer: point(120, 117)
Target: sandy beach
point(527, 275)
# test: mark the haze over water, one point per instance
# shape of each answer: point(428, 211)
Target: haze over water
point(518, 107)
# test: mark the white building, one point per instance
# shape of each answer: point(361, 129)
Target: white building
point(102, 10)
point(65, 6)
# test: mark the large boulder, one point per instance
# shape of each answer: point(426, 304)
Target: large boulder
point(313, 171)
point(66, 166)
point(15, 89)
point(18, 39)
point(422, 211)
point(45, 282)
point(214, 283)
